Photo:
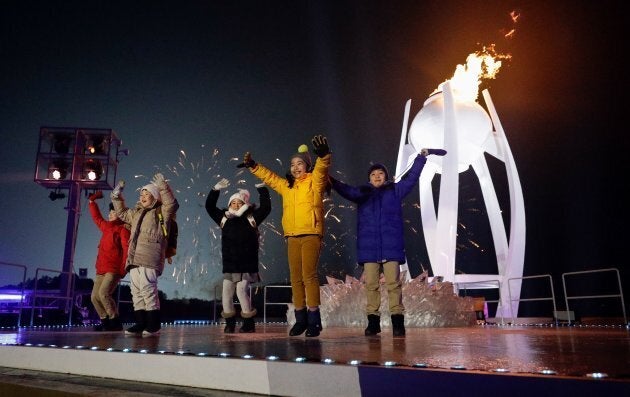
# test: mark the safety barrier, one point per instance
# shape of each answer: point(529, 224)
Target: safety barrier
point(551, 298)
point(15, 293)
point(50, 298)
point(272, 303)
point(485, 283)
point(618, 295)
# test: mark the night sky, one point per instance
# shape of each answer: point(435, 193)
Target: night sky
point(191, 85)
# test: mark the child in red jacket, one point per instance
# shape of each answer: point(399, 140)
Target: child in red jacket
point(110, 264)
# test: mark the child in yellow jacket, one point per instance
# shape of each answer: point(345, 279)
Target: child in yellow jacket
point(302, 194)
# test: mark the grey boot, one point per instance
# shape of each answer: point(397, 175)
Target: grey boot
point(300, 323)
point(140, 325)
point(398, 324)
point(154, 323)
point(374, 325)
point(314, 323)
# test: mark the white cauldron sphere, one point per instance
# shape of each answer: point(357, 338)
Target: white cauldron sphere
point(472, 122)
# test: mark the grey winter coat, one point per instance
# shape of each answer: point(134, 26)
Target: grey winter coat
point(147, 245)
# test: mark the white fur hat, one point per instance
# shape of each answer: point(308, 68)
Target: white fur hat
point(153, 189)
point(242, 195)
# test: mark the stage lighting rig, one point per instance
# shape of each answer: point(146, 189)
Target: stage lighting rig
point(75, 159)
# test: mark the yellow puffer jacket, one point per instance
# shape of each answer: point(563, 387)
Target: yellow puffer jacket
point(302, 205)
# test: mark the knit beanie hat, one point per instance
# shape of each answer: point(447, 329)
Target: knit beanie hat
point(378, 166)
point(153, 189)
point(242, 195)
point(302, 153)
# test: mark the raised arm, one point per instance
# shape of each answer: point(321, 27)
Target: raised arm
point(264, 207)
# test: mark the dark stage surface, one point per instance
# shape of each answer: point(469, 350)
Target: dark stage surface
point(595, 358)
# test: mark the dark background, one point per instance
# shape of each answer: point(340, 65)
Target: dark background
point(191, 85)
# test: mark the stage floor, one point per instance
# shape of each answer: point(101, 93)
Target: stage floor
point(586, 353)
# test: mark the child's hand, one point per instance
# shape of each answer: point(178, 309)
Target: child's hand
point(118, 189)
point(96, 195)
point(320, 145)
point(248, 161)
point(158, 180)
point(222, 184)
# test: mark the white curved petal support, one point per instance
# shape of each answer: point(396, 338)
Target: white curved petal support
point(516, 251)
point(443, 258)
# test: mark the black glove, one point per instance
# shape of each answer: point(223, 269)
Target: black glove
point(437, 152)
point(320, 145)
point(247, 161)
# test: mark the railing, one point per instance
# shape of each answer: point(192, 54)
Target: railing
point(265, 303)
point(619, 295)
point(552, 298)
point(53, 297)
point(485, 283)
point(21, 291)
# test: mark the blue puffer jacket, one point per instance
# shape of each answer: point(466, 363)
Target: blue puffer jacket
point(380, 235)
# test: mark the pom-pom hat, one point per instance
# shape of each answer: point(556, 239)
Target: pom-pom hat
point(302, 153)
point(242, 195)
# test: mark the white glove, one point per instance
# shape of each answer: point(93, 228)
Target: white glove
point(158, 180)
point(118, 189)
point(259, 185)
point(424, 152)
point(222, 184)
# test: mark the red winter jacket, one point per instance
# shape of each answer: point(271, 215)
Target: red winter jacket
point(112, 249)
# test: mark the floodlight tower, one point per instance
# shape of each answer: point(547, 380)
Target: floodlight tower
point(74, 159)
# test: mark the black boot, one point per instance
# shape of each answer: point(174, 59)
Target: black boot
point(248, 325)
point(314, 323)
point(398, 324)
point(300, 323)
point(103, 325)
point(374, 325)
point(230, 324)
point(140, 325)
point(113, 324)
point(154, 323)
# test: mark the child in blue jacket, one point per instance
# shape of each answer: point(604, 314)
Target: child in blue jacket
point(380, 236)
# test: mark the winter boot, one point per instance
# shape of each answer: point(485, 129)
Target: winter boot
point(300, 323)
point(154, 323)
point(248, 322)
point(113, 324)
point(103, 325)
point(314, 323)
point(248, 325)
point(398, 324)
point(140, 325)
point(230, 322)
point(374, 325)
